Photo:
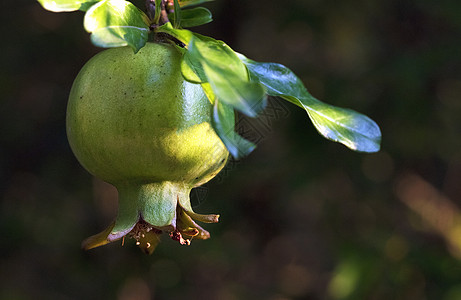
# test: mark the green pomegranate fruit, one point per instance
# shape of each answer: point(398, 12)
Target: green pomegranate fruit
point(133, 121)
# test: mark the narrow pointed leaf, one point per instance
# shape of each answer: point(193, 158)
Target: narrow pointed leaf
point(224, 124)
point(177, 15)
point(116, 23)
point(67, 5)
point(227, 76)
point(158, 11)
point(193, 17)
point(356, 131)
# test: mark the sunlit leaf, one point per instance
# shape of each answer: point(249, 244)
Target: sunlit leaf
point(187, 3)
point(67, 5)
point(222, 68)
point(223, 122)
point(356, 131)
point(189, 69)
point(208, 92)
point(227, 76)
point(115, 23)
point(182, 35)
point(193, 17)
point(223, 77)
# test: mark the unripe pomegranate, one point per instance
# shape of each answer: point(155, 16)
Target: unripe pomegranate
point(133, 121)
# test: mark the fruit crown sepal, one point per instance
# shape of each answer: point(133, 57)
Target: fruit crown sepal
point(147, 211)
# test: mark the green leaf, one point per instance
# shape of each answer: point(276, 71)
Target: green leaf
point(208, 92)
point(193, 17)
point(224, 123)
point(191, 70)
point(182, 35)
point(227, 75)
point(177, 14)
point(158, 11)
point(214, 62)
point(356, 131)
point(116, 23)
point(67, 5)
point(218, 69)
point(187, 3)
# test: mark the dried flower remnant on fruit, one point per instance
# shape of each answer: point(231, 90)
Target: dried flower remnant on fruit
point(146, 236)
point(183, 229)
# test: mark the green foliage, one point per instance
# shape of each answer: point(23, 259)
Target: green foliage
point(230, 80)
point(67, 5)
point(157, 11)
point(227, 76)
point(345, 126)
point(116, 23)
point(182, 35)
point(176, 15)
point(223, 122)
point(192, 17)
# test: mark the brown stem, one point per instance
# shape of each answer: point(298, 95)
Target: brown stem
point(163, 15)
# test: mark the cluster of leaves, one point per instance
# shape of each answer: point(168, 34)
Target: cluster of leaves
point(229, 79)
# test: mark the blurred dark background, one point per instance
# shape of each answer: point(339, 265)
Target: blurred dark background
point(301, 217)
